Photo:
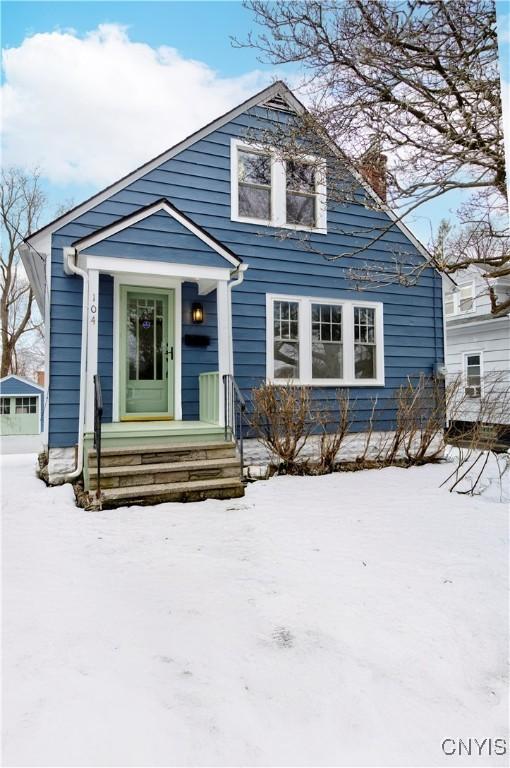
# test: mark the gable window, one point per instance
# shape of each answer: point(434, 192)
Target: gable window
point(460, 301)
point(473, 374)
point(301, 193)
point(324, 342)
point(26, 405)
point(5, 406)
point(280, 193)
point(254, 189)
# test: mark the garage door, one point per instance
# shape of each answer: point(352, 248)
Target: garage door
point(19, 415)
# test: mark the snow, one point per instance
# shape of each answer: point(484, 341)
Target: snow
point(352, 619)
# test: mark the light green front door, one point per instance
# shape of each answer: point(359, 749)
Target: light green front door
point(146, 354)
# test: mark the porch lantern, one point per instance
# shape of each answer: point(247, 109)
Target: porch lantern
point(197, 313)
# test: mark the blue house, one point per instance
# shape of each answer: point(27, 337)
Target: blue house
point(21, 406)
point(172, 288)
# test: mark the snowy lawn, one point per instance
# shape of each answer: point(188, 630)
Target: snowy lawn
point(352, 619)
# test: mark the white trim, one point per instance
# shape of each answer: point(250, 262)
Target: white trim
point(118, 265)
point(158, 207)
point(224, 324)
point(145, 281)
point(92, 346)
point(278, 189)
point(24, 381)
point(305, 341)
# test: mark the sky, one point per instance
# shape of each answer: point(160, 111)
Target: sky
point(73, 72)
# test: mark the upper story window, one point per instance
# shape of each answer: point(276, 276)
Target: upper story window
point(254, 177)
point(461, 301)
point(324, 341)
point(270, 191)
point(301, 194)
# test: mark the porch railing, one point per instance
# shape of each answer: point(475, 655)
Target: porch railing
point(209, 393)
point(98, 415)
point(235, 408)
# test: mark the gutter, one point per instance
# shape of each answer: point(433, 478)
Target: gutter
point(71, 268)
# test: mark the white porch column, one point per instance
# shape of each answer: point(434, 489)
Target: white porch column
point(224, 341)
point(92, 343)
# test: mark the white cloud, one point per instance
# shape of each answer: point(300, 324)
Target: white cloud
point(90, 109)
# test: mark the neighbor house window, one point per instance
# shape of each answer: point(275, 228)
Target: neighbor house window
point(473, 373)
point(324, 342)
point(327, 351)
point(254, 187)
point(5, 406)
point(301, 193)
point(268, 190)
point(460, 301)
point(286, 339)
point(26, 405)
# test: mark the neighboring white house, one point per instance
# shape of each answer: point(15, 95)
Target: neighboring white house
point(478, 349)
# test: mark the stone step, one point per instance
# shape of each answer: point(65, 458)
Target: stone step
point(196, 490)
point(152, 474)
point(160, 454)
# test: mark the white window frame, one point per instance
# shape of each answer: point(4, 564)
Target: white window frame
point(456, 297)
point(278, 189)
point(465, 370)
point(305, 341)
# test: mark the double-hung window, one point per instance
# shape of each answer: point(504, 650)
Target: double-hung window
point(460, 301)
point(301, 194)
point(473, 374)
point(286, 339)
point(324, 341)
point(269, 190)
point(5, 406)
point(254, 185)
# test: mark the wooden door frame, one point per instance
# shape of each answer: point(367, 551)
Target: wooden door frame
point(146, 283)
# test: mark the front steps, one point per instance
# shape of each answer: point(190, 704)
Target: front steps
point(180, 472)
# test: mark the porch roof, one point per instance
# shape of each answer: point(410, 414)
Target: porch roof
point(157, 228)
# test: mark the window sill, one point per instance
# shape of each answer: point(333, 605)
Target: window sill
point(275, 225)
point(323, 383)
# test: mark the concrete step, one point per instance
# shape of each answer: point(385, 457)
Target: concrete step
point(196, 490)
point(161, 454)
point(152, 474)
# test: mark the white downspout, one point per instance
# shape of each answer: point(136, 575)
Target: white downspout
point(71, 267)
point(232, 284)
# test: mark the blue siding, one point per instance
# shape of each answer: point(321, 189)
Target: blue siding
point(197, 181)
point(159, 237)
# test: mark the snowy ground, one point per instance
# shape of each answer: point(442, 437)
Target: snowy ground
point(20, 444)
point(353, 619)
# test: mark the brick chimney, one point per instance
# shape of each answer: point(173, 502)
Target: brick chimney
point(40, 378)
point(373, 170)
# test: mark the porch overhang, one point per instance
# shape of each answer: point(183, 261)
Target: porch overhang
point(114, 265)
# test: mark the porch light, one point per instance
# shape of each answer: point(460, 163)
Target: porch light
point(197, 313)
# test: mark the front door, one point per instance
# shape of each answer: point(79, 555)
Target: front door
point(146, 354)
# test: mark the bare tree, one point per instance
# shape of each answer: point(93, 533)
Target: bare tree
point(410, 91)
point(21, 203)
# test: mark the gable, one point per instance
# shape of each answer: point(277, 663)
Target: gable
point(15, 385)
point(158, 232)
